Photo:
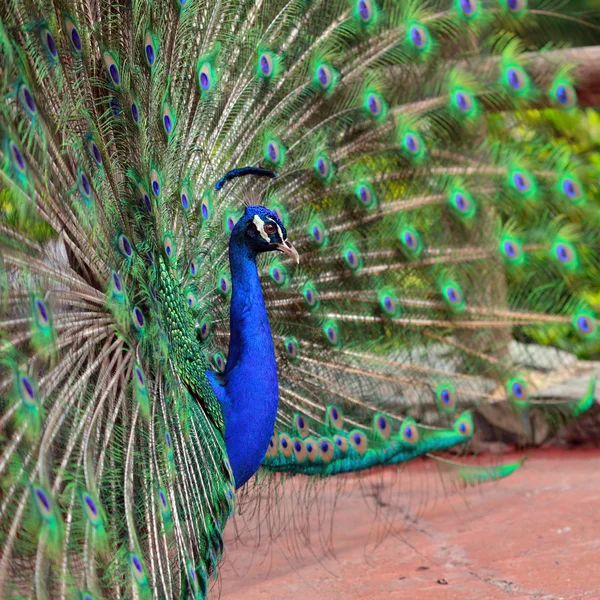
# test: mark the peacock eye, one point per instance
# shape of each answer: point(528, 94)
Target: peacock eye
point(269, 228)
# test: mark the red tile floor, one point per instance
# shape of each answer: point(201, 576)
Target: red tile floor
point(534, 535)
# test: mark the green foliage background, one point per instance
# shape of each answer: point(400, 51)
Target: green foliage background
point(579, 130)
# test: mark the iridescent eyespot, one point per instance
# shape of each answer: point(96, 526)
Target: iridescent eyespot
point(291, 347)
point(453, 295)
point(273, 443)
point(358, 441)
point(140, 381)
point(334, 417)
point(266, 64)
point(464, 425)
point(112, 69)
point(341, 443)
point(301, 425)
point(42, 501)
point(411, 241)
point(585, 325)
point(285, 445)
point(375, 105)
point(521, 181)
point(90, 507)
point(352, 258)
point(150, 49)
point(365, 11)
point(137, 317)
point(331, 333)
point(27, 390)
point(138, 568)
point(409, 431)
point(116, 282)
point(278, 274)
point(17, 158)
point(325, 77)
point(230, 221)
point(446, 397)
point(389, 302)
point(299, 449)
point(571, 188)
point(191, 299)
point(274, 152)
point(326, 450)
point(413, 144)
point(168, 247)
point(168, 120)
point(564, 94)
point(219, 360)
point(42, 316)
point(26, 99)
point(517, 391)
point(323, 168)
point(515, 6)
point(155, 183)
point(84, 186)
point(205, 77)
point(193, 267)
point(163, 499)
point(312, 450)
point(73, 34)
point(185, 197)
point(464, 102)
point(205, 329)
point(419, 37)
point(565, 253)
point(48, 42)
point(94, 152)
point(382, 426)
point(317, 233)
point(310, 295)
point(512, 250)
point(224, 285)
point(463, 204)
point(468, 7)
point(365, 195)
point(206, 207)
point(516, 79)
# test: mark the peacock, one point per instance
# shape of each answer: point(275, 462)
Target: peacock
point(274, 236)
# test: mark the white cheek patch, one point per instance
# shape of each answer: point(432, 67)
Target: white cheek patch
point(260, 225)
point(280, 233)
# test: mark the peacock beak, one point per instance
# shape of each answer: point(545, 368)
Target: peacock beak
point(289, 250)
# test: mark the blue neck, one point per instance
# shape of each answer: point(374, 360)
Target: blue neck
point(251, 390)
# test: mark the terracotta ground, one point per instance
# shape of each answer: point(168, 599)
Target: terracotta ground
point(535, 535)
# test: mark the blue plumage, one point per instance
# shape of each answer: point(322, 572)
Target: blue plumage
point(248, 389)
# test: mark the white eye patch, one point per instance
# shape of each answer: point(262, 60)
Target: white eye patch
point(260, 225)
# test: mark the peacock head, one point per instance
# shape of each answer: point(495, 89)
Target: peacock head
point(263, 231)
